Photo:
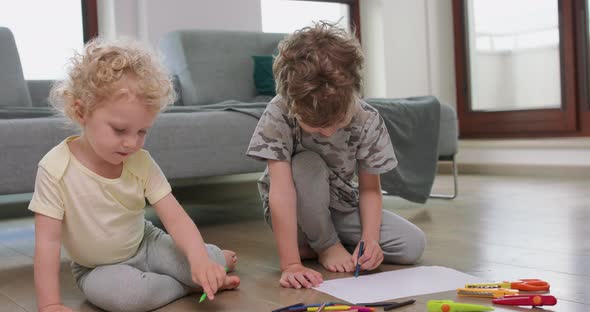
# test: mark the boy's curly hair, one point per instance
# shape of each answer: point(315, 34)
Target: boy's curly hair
point(106, 67)
point(319, 72)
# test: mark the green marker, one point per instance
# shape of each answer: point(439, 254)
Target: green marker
point(451, 306)
point(204, 295)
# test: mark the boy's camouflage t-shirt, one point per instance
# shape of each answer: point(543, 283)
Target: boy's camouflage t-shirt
point(364, 142)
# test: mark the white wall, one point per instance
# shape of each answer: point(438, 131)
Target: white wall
point(373, 42)
point(406, 38)
point(441, 53)
point(117, 18)
point(407, 43)
point(417, 58)
point(149, 19)
point(409, 49)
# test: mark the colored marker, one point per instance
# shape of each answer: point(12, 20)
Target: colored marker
point(296, 308)
point(399, 305)
point(378, 304)
point(343, 307)
point(361, 309)
point(203, 297)
point(358, 256)
point(289, 307)
point(331, 308)
point(321, 308)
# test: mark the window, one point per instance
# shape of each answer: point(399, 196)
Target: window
point(518, 68)
point(65, 26)
point(286, 16)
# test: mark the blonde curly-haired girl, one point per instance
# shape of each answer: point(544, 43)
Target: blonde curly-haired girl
point(90, 193)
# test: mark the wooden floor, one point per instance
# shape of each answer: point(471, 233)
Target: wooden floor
point(498, 228)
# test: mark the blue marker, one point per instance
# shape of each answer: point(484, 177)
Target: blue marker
point(358, 256)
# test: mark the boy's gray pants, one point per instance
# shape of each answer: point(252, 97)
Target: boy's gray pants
point(321, 226)
point(155, 276)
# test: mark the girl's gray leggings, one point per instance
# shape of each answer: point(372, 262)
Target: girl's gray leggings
point(157, 275)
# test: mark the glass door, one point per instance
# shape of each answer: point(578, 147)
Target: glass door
point(515, 66)
point(514, 59)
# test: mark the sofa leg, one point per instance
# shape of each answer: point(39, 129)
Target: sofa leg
point(455, 183)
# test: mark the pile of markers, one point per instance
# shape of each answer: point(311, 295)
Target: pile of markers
point(335, 306)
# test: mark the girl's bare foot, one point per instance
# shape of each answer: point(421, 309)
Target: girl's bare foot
point(336, 259)
point(231, 282)
point(305, 252)
point(231, 260)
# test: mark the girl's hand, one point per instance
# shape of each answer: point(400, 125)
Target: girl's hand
point(210, 275)
point(297, 276)
point(56, 308)
point(371, 257)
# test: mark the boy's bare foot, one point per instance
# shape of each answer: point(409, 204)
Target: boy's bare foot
point(231, 260)
point(305, 252)
point(336, 259)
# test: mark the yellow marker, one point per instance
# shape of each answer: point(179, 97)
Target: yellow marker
point(486, 292)
point(330, 308)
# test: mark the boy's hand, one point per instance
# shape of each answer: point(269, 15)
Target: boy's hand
point(371, 257)
point(56, 308)
point(210, 275)
point(297, 276)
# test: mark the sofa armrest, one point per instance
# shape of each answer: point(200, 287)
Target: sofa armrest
point(39, 91)
point(12, 82)
point(449, 133)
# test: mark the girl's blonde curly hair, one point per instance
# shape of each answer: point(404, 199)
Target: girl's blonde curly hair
point(318, 71)
point(105, 68)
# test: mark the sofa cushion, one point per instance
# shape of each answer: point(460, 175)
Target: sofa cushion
point(264, 81)
point(13, 87)
point(214, 65)
point(185, 145)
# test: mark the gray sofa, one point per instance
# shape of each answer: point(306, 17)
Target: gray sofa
point(185, 145)
point(211, 67)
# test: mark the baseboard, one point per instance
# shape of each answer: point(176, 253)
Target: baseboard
point(517, 170)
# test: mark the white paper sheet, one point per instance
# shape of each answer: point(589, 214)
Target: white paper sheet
point(396, 284)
